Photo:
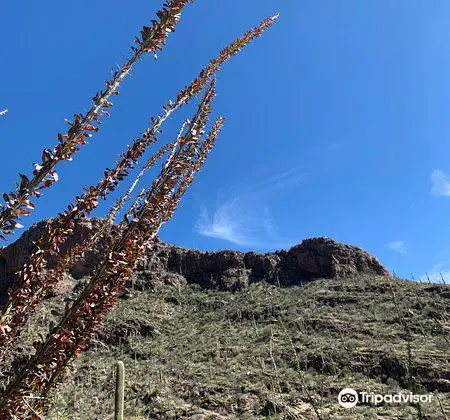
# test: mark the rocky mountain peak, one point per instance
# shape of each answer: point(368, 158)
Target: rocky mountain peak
point(223, 270)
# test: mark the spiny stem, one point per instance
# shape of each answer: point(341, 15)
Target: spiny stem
point(30, 286)
point(153, 39)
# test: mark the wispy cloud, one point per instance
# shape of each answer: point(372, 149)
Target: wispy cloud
point(286, 179)
point(441, 183)
point(398, 246)
point(243, 217)
point(227, 223)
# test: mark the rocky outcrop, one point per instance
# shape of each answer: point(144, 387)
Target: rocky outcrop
point(14, 256)
point(326, 258)
point(232, 270)
point(17, 254)
point(223, 270)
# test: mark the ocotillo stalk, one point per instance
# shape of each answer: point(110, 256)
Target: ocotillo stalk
point(65, 340)
point(31, 284)
point(18, 202)
point(105, 225)
point(120, 390)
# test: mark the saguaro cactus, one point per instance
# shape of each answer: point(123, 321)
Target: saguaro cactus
point(120, 388)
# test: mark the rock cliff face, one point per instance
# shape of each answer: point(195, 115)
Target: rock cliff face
point(223, 270)
point(15, 255)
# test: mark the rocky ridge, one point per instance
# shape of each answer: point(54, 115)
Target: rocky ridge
point(196, 348)
point(220, 270)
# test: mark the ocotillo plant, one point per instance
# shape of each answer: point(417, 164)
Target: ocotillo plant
point(30, 285)
point(152, 40)
point(28, 387)
point(105, 225)
point(40, 373)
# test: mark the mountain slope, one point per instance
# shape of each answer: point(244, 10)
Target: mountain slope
point(248, 336)
point(264, 352)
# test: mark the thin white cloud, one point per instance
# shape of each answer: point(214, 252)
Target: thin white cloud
point(285, 180)
point(243, 215)
point(441, 183)
point(226, 223)
point(398, 246)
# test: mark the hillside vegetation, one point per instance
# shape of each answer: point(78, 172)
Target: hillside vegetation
point(262, 352)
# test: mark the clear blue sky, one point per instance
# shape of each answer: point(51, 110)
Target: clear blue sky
point(337, 119)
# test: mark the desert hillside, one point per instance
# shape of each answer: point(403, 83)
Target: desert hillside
point(229, 335)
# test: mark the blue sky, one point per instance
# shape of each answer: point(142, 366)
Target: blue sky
point(337, 118)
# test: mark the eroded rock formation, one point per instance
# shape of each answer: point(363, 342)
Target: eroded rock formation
point(224, 270)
